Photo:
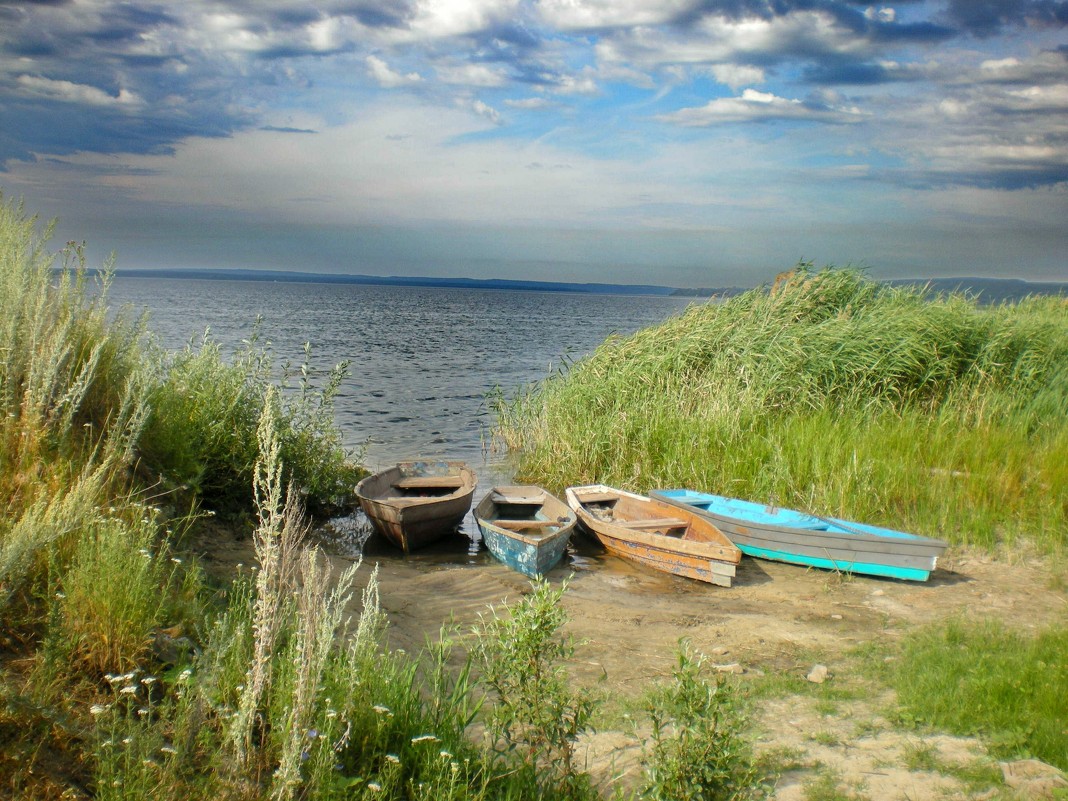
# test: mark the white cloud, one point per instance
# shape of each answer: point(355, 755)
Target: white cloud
point(880, 14)
point(720, 40)
point(584, 83)
point(484, 110)
point(737, 75)
point(592, 14)
point(71, 92)
point(441, 18)
point(471, 75)
point(388, 78)
point(529, 103)
point(754, 106)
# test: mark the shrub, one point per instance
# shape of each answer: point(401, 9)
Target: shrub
point(537, 713)
point(697, 751)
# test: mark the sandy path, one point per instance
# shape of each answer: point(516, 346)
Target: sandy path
point(776, 618)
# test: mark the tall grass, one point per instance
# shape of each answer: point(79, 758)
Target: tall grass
point(831, 392)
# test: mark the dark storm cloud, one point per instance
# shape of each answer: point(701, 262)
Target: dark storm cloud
point(988, 17)
point(380, 15)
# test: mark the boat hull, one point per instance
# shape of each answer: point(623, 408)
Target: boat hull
point(786, 535)
point(685, 544)
point(405, 505)
point(533, 550)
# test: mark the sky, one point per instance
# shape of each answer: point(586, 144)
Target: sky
point(680, 142)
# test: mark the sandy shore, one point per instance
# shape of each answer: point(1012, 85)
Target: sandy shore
point(775, 619)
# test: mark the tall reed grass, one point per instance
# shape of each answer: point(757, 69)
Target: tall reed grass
point(830, 392)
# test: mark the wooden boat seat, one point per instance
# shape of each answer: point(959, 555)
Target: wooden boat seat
point(597, 497)
point(516, 525)
point(518, 500)
point(663, 522)
point(428, 482)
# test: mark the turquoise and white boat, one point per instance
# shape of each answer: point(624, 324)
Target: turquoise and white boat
point(786, 535)
point(525, 527)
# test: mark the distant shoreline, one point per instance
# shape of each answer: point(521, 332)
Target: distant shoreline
point(988, 290)
point(292, 276)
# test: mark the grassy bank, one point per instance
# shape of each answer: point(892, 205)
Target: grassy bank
point(828, 392)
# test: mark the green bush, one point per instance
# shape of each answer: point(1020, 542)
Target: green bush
point(537, 713)
point(697, 750)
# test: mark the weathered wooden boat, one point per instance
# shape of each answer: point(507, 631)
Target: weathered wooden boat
point(787, 535)
point(655, 534)
point(525, 527)
point(414, 503)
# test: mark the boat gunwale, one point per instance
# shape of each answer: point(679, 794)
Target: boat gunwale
point(916, 545)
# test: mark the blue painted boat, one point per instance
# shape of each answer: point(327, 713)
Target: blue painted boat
point(787, 535)
point(525, 527)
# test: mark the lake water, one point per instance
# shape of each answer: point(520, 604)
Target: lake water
point(422, 359)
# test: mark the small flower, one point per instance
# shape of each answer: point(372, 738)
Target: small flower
point(143, 711)
point(98, 709)
point(148, 680)
point(176, 560)
point(129, 689)
point(331, 713)
point(393, 758)
point(382, 710)
point(61, 595)
point(168, 749)
point(313, 733)
point(185, 674)
point(444, 754)
point(374, 787)
point(424, 738)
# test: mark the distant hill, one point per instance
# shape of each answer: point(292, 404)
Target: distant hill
point(987, 290)
point(396, 280)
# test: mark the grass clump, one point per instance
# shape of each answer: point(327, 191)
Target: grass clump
point(697, 749)
point(988, 680)
point(830, 392)
point(537, 713)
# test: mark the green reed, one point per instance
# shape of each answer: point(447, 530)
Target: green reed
point(827, 391)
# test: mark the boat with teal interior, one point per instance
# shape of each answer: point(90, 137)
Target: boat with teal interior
point(525, 527)
point(787, 535)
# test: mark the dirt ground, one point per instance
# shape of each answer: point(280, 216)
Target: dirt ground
point(776, 619)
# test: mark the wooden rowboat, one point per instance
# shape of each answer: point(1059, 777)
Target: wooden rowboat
point(786, 535)
point(655, 534)
point(525, 527)
point(414, 503)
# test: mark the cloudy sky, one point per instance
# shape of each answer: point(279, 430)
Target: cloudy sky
point(686, 142)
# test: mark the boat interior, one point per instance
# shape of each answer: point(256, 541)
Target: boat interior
point(425, 486)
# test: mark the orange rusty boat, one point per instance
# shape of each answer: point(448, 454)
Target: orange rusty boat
point(655, 534)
